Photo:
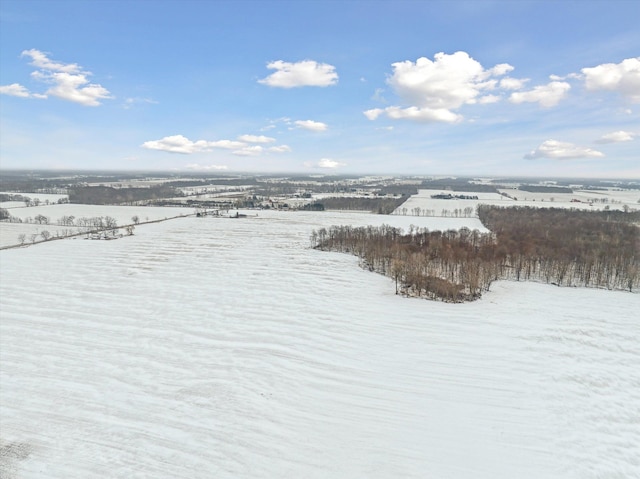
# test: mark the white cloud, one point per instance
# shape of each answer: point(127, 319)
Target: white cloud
point(40, 60)
point(311, 125)
point(562, 151)
point(617, 137)
point(129, 102)
point(226, 144)
point(487, 99)
point(254, 150)
point(197, 167)
point(256, 139)
point(513, 83)
point(15, 89)
point(329, 163)
point(69, 82)
point(177, 144)
point(304, 73)
point(546, 95)
point(623, 77)
point(433, 89)
point(280, 149)
point(374, 113)
point(500, 69)
point(425, 115)
point(448, 82)
point(75, 88)
point(181, 144)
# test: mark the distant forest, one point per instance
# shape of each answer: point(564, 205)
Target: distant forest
point(106, 195)
point(383, 206)
point(558, 246)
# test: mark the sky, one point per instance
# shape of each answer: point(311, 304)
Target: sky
point(478, 88)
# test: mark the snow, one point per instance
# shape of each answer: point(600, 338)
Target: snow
point(9, 232)
point(584, 199)
point(210, 347)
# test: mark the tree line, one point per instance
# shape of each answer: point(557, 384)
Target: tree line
point(380, 205)
point(563, 247)
point(106, 195)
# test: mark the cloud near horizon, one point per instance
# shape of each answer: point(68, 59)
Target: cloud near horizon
point(303, 73)
point(617, 137)
point(182, 145)
point(325, 164)
point(198, 167)
point(558, 150)
point(69, 82)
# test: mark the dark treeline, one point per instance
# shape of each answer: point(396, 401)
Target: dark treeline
point(105, 195)
point(458, 184)
point(545, 189)
point(562, 247)
point(384, 206)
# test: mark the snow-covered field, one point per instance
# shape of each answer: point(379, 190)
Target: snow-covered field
point(204, 347)
point(586, 200)
point(9, 232)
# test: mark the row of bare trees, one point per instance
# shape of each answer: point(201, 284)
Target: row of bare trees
point(553, 246)
point(466, 212)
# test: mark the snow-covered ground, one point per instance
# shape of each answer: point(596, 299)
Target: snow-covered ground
point(204, 347)
point(587, 200)
point(123, 215)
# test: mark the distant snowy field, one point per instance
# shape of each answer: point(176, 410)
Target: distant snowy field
point(204, 347)
point(587, 200)
point(122, 214)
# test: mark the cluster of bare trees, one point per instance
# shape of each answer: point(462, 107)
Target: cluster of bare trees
point(466, 212)
point(554, 246)
point(568, 247)
point(98, 226)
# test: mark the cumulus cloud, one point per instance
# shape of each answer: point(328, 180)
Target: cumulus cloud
point(197, 167)
point(304, 73)
point(183, 145)
point(617, 137)
point(40, 60)
point(68, 81)
point(177, 144)
point(253, 150)
point(546, 95)
point(310, 125)
point(562, 151)
point(280, 149)
point(513, 83)
point(426, 115)
point(329, 163)
point(448, 82)
point(256, 139)
point(433, 89)
point(15, 89)
point(623, 77)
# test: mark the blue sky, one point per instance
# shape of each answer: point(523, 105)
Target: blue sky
point(542, 88)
